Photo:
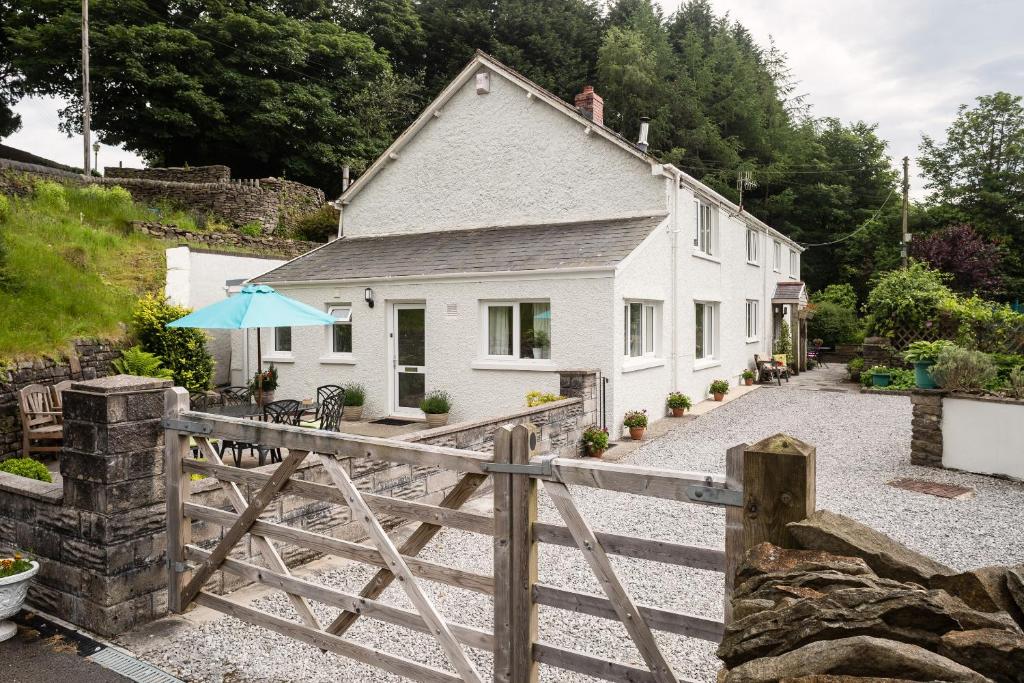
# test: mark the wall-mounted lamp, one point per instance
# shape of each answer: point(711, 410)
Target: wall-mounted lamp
point(368, 296)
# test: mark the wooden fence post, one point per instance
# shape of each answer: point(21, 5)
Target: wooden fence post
point(733, 525)
point(778, 488)
point(179, 527)
point(524, 561)
point(502, 558)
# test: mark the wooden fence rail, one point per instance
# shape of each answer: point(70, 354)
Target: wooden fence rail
point(764, 487)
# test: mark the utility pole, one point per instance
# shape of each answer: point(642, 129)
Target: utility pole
point(905, 238)
point(86, 104)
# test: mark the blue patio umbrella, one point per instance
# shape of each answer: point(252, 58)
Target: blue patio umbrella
point(256, 306)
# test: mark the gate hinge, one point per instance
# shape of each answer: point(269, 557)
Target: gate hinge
point(186, 426)
point(540, 467)
point(714, 495)
point(178, 567)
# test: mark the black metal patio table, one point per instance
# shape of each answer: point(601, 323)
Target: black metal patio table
point(248, 410)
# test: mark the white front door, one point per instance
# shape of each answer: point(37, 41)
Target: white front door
point(408, 358)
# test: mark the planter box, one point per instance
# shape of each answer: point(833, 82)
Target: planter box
point(983, 435)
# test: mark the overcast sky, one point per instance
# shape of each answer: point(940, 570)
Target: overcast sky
point(904, 64)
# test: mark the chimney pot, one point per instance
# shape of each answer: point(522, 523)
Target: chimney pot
point(591, 105)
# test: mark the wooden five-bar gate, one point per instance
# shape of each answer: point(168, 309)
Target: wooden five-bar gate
point(763, 489)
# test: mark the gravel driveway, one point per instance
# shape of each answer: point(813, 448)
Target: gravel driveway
point(862, 440)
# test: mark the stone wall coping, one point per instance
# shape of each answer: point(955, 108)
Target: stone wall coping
point(984, 398)
point(483, 422)
point(121, 384)
point(32, 488)
point(887, 392)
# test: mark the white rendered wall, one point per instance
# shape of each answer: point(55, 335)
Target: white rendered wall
point(579, 340)
point(196, 279)
point(502, 159)
point(986, 437)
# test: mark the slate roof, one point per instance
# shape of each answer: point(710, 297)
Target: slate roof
point(790, 292)
point(594, 244)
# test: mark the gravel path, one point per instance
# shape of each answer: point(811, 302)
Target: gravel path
point(863, 441)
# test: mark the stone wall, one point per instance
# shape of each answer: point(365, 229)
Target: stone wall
point(265, 244)
point(268, 201)
point(87, 359)
point(851, 604)
point(177, 174)
point(926, 434)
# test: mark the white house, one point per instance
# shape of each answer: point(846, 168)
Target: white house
point(507, 235)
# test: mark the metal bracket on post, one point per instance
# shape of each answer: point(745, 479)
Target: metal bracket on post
point(178, 567)
point(538, 467)
point(186, 426)
point(714, 495)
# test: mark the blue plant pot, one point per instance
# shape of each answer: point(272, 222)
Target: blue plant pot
point(923, 376)
point(880, 380)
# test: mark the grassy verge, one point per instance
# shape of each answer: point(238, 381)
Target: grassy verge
point(71, 268)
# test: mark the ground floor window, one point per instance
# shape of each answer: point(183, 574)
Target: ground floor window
point(639, 336)
point(706, 342)
point(341, 330)
point(752, 320)
point(283, 339)
point(518, 329)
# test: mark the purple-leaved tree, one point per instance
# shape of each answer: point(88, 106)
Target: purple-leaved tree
point(972, 260)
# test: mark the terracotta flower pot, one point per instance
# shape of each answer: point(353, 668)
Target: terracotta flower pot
point(678, 412)
point(719, 397)
point(352, 413)
point(595, 452)
point(749, 382)
point(437, 419)
point(636, 433)
point(268, 396)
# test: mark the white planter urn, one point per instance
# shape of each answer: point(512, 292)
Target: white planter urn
point(13, 591)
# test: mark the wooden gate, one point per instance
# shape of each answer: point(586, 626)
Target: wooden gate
point(516, 533)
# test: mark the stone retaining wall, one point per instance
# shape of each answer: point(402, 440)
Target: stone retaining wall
point(87, 359)
point(178, 174)
point(266, 245)
point(926, 435)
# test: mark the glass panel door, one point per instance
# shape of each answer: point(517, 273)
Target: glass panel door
point(409, 358)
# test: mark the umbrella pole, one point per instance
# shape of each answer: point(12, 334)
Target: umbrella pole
point(259, 370)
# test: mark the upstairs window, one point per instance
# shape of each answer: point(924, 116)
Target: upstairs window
point(341, 330)
point(794, 263)
point(283, 339)
point(639, 338)
point(518, 330)
point(752, 246)
point(777, 264)
point(705, 237)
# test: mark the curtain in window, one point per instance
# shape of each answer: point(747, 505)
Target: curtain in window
point(636, 319)
point(700, 331)
point(499, 331)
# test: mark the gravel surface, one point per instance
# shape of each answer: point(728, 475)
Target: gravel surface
point(863, 441)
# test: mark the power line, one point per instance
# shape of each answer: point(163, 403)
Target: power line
point(863, 226)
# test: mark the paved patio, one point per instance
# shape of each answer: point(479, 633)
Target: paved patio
point(862, 443)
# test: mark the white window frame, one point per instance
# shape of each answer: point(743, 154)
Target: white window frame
point(276, 354)
point(485, 307)
point(705, 229)
point(711, 319)
point(777, 262)
point(794, 263)
point(650, 328)
point(291, 340)
point(753, 247)
point(753, 321)
point(330, 354)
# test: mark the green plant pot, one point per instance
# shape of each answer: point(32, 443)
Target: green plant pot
point(923, 375)
point(880, 379)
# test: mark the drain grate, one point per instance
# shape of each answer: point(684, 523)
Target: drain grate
point(933, 488)
point(131, 668)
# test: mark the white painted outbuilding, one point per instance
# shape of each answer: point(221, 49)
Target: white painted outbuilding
point(504, 218)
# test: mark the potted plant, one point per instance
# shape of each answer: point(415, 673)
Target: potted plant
point(595, 441)
point(855, 367)
point(269, 384)
point(719, 388)
point(636, 420)
point(678, 403)
point(435, 405)
point(355, 396)
point(880, 376)
point(924, 354)
point(15, 573)
point(540, 341)
point(748, 377)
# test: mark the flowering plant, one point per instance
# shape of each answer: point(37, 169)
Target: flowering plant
point(269, 379)
point(635, 418)
point(679, 400)
point(9, 566)
point(595, 439)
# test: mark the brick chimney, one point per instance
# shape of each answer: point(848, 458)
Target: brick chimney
point(591, 105)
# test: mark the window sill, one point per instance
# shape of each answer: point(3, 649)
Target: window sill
point(754, 263)
point(707, 257)
point(752, 340)
point(339, 359)
point(279, 358)
point(633, 365)
point(525, 364)
point(776, 270)
point(705, 364)
point(792, 277)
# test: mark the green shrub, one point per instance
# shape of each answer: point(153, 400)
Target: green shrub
point(50, 195)
point(141, 363)
point(539, 398)
point(182, 349)
point(833, 324)
point(252, 229)
point(679, 400)
point(319, 226)
point(855, 367)
point(984, 325)
point(437, 402)
point(906, 299)
point(1015, 382)
point(355, 395)
point(842, 295)
point(635, 418)
point(719, 386)
point(959, 369)
point(925, 351)
point(784, 344)
point(26, 467)
point(5, 207)
point(899, 378)
point(1006, 363)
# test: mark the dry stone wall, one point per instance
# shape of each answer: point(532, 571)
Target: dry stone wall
point(176, 174)
point(264, 244)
